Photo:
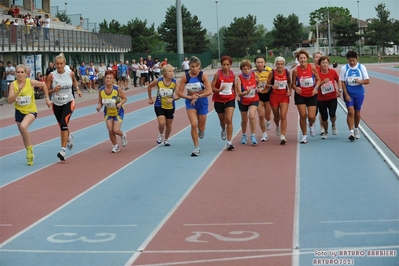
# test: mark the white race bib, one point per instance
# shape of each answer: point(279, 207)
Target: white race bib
point(306, 82)
point(262, 85)
point(109, 103)
point(165, 92)
point(251, 92)
point(226, 88)
point(23, 100)
point(194, 87)
point(327, 88)
point(281, 84)
point(352, 80)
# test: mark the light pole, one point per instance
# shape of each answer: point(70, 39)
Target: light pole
point(66, 8)
point(358, 21)
point(329, 32)
point(217, 25)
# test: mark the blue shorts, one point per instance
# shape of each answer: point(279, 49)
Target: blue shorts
point(4, 85)
point(20, 116)
point(201, 105)
point(356, 102)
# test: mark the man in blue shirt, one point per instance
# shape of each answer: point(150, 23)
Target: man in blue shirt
point(84, 79)
point(150, 65)
point(122, 75)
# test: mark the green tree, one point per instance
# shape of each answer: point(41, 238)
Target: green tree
point(381, 30)
point(287, 32)
point(241, 37)
point(113, 27)
point(346, 32)
point(64, 18)
point(194, 35)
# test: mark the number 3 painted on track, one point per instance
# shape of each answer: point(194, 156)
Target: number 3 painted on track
point(105, 237)
point(197, 235)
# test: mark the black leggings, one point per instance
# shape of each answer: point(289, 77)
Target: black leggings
point(331, 105)
point(63, 114)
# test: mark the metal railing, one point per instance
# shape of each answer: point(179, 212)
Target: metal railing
point(34, 39)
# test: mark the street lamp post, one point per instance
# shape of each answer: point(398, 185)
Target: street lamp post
point(66, 8)
point(358, 21)
point(329, 32)
point(217, 25)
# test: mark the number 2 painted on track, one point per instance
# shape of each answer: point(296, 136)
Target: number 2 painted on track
point(68, 238)
point(197, 235)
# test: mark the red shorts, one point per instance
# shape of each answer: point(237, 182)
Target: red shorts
point(276, 99)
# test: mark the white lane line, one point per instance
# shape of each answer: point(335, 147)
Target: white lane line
point(361, 221)
point(228, 224)
point(295, 231)
point(95, 225)
point(5, 224)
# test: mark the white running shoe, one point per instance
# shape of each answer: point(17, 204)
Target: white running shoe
point(61, 155)
point(201, 134)
point(304, 140)
point(160, 138)
point(334, 129)
point(196, 152)
point(325, 135)
point(268, 124)
point(312, 130)
point(321, 131)
point(351, 136)
point(124, 140)
point(264, 137)
point(166, 142)
point(115, 149)
point(278, 132)
point(282, 140)
point(230, 146)
point(70, 142)
point(223, 135)
point(357, 133)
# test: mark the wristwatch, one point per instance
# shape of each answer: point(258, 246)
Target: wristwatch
point(340, 90)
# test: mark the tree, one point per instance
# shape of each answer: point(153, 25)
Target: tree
point(114, 27)
point(381, 30)
point(346, 32)
point(64, 18)
point(287, 32)
point(241, 36)
point(194, 35)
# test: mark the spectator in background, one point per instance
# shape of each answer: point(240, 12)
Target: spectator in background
point(122, 75)
point(46, 26)
point(157, 68)
point(134, 67)
point(185, 66)
point(150, 65)
point(15, 13)
point(3, 81)
point(126, 85)
point(10, 11)
point(10, 72)
point(101, 74)
point(50, 68)
point(164, 62)
point(84, 79)
point(82, 21)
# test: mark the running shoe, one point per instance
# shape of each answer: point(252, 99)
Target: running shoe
point(351, 136)
point(223, 135)
point(304, 140)
point(244, 139)
point(29, 155)
point(230, 146)
point(70, 142)
point(201, 134)
point(325, 135)
point(61, 154)
point(282, 140)
point(115, 149)
point(124, 140)
point(334, 129)
point(278, 132)
point(321, 131)
point(166, 142)
point(253, 140)
point(312, 130)
point(160, 138)
point(264, 137)
point(357, 133)
point(268, 124)
point(196, 152)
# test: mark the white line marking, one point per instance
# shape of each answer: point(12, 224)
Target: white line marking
point(295, 231)
point(223, 224)
point(361, 221)
point(5, 224)
point(338, 233)
point(95, 225)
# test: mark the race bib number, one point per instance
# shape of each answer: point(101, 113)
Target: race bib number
point(327, 88)
point(109, 103)
point(165, 92)
point(281, 84)
point(227, 86)
point(61, 98)
point(91, 73)
point(262, 86)
point(194, 87)
point(23, 100)
point(306, 82)
point(251, 92)
point(352, 80)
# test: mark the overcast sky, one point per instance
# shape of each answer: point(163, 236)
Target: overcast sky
point(264, 10)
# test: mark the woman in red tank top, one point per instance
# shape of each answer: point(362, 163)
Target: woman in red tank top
point(224, 99)
point(305, 82)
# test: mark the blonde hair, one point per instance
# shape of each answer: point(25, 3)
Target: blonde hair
point(23, 67)
point(61, 56)
point(194, 60)
point(165, 68)
point(279, 58)
point(245, 63)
